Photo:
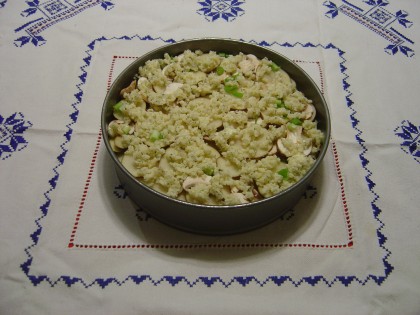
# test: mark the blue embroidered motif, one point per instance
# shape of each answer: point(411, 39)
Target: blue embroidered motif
point(377, 19)
point(411, 136)
point(228, 10)
point(142, 215)
point(50, 13)
point(11, 134)
point(3, 3)
point(278, 280)
point(119, 192)
point(309, 193)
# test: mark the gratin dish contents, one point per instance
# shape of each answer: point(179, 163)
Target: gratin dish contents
point(215, 129)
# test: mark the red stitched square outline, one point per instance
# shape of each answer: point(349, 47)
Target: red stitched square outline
point(72, 244)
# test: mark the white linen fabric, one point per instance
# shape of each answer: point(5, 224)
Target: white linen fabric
point(72, 241)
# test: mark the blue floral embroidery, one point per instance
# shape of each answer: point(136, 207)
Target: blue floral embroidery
point(119, 192)
point(142, 215)
point(309, 193)
point(11, 134)
point(410, 134)
point(51, 12)
point(225, 9)
point(376, 18)
point(140, 278)
point(3, 3)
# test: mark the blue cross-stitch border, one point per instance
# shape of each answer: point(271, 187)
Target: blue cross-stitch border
point(47, 14)
point(278, 280)
point(385, 28)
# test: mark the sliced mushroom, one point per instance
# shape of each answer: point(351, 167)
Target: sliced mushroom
point(119, 142)
point(128, 162)
point(113, 146)
point(246, 65)
point(214, 153)
point(241, 198)
point(210, 200)
point(172, 87)
point(192, 181)
point(165, 69)
point(164, 163)
point(308, 150)
point(282, 148)
point(215, 124)
point(273, 150)
point(228, 167)
point(250, 63)
point(129, 88)
point(255, 61)
point(112, 125)
point(309, 112)
point(234, 190)
point(255, 193)
point(294, 136)
point(141, 81)
point(182, 197)
point(158, 88)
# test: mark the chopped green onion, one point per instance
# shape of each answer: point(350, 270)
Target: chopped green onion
point(220, 70)
point(208, 171)
point(117, 107)
point(230, 88)
point(237, 94)
point(296, 121)
point(156, 135)
point(280, 104)
point(222, 54)
point(232, 78)
point(233, 90)
point(274, 67)
point(284, 173)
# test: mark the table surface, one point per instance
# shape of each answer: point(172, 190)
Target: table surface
point(71, 241)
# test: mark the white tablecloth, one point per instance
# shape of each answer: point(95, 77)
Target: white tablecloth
point(71, 241)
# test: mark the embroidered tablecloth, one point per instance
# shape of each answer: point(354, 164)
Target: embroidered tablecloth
point(71, 241)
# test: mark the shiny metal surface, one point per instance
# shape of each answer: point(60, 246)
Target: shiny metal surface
point(204, 219)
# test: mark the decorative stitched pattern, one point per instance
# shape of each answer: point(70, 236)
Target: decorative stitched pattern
point(3, 3)
point(51, 12)
point(376, 18)
point(279, 280)
point(12, 129)
point(410, 133)
point(119, 192)
point(228, 10)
